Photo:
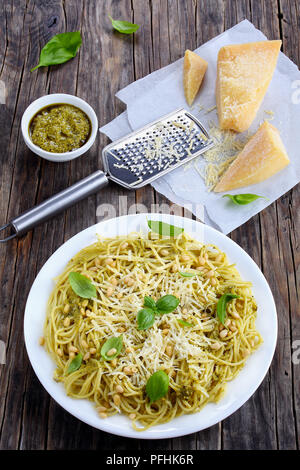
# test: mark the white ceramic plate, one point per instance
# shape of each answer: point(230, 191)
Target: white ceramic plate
point(238, 391)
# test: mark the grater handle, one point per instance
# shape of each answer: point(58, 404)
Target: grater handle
point(57, 203)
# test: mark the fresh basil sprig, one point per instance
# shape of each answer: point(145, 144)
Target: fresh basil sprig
point(243, 199)
point(184, 323)
point(146, 316)
point(124, 27)
point(164, 229)
point(82, 286)
point(222, 303)
point(149, 302)
point(167, 304)
point(115, 342)
point(59, 49)
point(75, 363)
point(183, 274)
point(157, 385)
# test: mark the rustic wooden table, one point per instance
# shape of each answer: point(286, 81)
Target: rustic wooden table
point(107, 61)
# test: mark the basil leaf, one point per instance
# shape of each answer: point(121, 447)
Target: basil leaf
point(222, 303)
point(115, 342)
point(145, 318)
point(167, 304)
point(149, 302)
point(184, 323)
point(243, 199)
point(59, 49)
point(75, 364)
point(187, 274)
point(157, 385)
point(164, 229)
point(82, 286)
point(124, 27)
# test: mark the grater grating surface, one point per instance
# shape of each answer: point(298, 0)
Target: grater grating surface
point(151, 152)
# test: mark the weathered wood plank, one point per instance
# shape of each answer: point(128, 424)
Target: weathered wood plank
point(288, 230)
point(260, 411)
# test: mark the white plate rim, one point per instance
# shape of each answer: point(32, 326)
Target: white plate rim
point(177, 427)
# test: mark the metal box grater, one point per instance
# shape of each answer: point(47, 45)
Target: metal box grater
point(151, 152)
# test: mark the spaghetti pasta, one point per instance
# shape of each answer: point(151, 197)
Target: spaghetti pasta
point(197, 352)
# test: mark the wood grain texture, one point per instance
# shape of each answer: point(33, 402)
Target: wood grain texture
point(108, 61)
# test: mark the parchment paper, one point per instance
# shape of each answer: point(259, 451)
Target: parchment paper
point(161, 92)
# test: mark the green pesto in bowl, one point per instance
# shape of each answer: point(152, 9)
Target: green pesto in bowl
point(60, 128)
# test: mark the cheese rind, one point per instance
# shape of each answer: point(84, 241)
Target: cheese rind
point(262, 157)
point(194, 68)
point(244, 72)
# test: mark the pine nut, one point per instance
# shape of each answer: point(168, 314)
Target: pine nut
point(164, 252)
point(114, 281)
point(132, 416)
point(201, 261)
point(93, 350)
point(73, 349)
point(42, 341)
point(227, 323)
point(67, 321)
point(111, 352)
point(117, 399)
point(110, 291)
point(184, 310)
point(128, 350)
point(235, 315)
point(223, 333)
point(59, 352)
point(185, 258)
point(109, 261)
point(114, 362)
point(130, 282)
point(85, 303)
point(215, 346)
point(124, 246)
point(66, 308)
point(219, 258)
point(101, 409)
point(87, 356)
point(210, 274)
point(84, 344)
point(103, 415)
point(233, 328)
point(169, 351)
point(121, 329)
point(71, 355)
point(128, 370)
point(119, 389)
point(245, 353)
point(213, 281)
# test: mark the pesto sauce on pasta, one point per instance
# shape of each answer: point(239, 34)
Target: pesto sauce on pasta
point(199, 358)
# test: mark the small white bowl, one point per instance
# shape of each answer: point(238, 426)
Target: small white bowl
point(58, 98)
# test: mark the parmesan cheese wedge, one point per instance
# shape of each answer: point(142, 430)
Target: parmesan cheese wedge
point(194, 68)
point(262, 157)
point(244, 72)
